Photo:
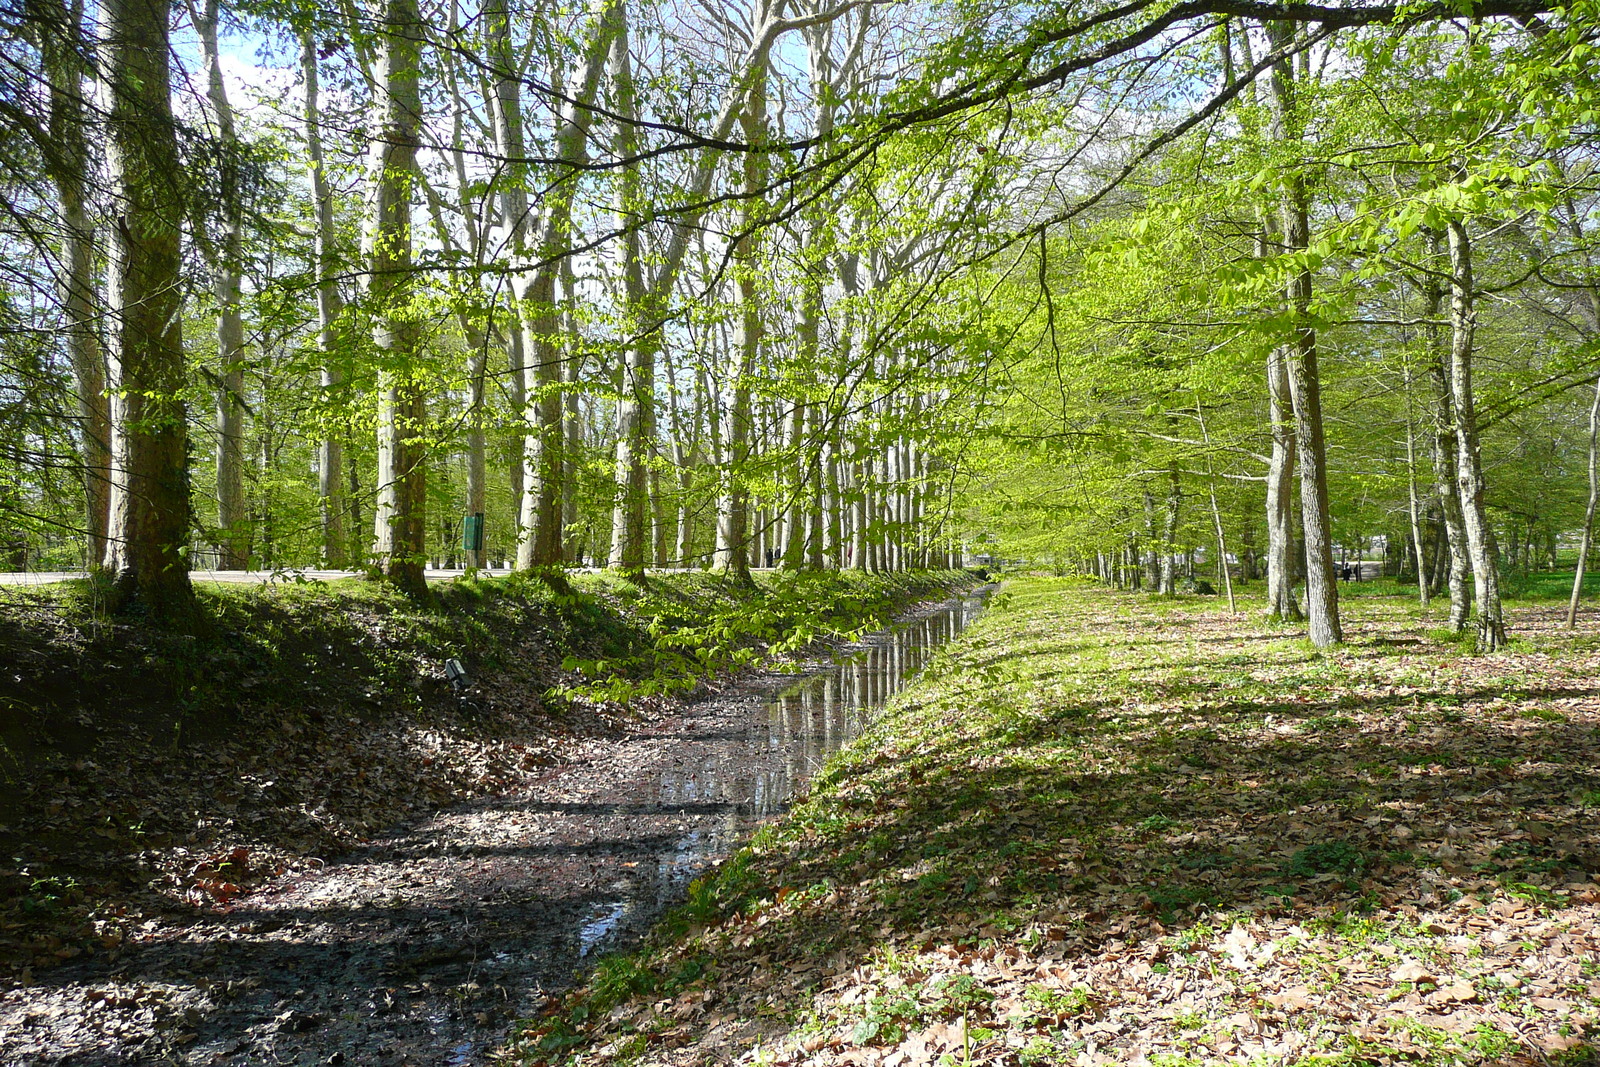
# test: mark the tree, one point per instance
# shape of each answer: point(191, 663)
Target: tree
point(148, 530)
point(400, 515)
point(68, 156)
point(223, 251)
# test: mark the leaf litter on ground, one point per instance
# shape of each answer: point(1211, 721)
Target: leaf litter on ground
point(1109, 828)
point(316, 722)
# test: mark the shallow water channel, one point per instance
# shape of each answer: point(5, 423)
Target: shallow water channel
point(426, 946)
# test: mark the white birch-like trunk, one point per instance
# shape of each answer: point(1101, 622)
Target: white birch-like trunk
point(330, 450)
point(223, 256)
point(1491, 626)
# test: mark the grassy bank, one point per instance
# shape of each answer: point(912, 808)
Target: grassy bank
point(144, 770)
point(1109, 828)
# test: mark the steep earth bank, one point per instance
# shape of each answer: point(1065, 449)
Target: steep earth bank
point(150, 775)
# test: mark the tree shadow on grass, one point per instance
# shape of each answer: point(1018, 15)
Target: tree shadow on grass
point(1097, 829)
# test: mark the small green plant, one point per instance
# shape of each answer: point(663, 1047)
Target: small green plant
point(1206, 861)
point(46, 896)
point(886, 1018)
point(1533, 894)
point(1058, 1003)
point(1169, 899)
point(1038, 1053)
point(1323, 723)
point(962, 993)
point(1326, 857)
point(620, 977)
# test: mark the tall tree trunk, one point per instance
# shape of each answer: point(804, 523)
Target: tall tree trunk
point(475, 330)
point(1150, 559)
point(572, 425)
point(223, 251)
point(733, 504)
point(793, 500)
point(330, 450)
point(1281, 603)
point(684, 449)
point(539, 544)
point(636, 405)
point(1414, 498)
point(1446, 486)
point(1589, 510)
point(1491, 624)
point(1305, 388)
point(62, 47)
point(858, 523)
point(1216, 511)
point(1169, 533)
point(515, 215)
point(477, 445)
point(400, 517)
point(830, 539)
point(150, 516)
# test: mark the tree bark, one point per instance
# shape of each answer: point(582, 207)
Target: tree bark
point(400, 515)
point(733, 503)
point(1169, 534)
point(630, 527)
point(1444, 455)
point(571, 424)
point(1305, 389)
point(1491, 626)
point(1589, 510)
point(794, 500)
point(148, 532)
point(1281, 603)
point(857, 551)
point(62, 46)
point(1413, 498)
point(539, 544)
point(330, 451)
point(1150, 558)
point(223, 252)
point(476, 332)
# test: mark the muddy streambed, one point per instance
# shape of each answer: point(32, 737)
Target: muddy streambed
point(424, 947)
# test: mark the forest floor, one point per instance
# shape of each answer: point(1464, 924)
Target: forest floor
point(1102, 827)
point(285, 840)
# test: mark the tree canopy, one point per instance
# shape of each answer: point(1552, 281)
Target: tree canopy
point(1134, 288)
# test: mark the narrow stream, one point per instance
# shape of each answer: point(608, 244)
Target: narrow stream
point(735, 780)
point(425, 947)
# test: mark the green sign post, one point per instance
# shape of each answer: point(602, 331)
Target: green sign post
point(472, 532)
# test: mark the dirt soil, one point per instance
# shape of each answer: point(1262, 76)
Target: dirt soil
point(429, 941)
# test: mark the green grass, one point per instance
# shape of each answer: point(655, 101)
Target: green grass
point(1149, 800)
